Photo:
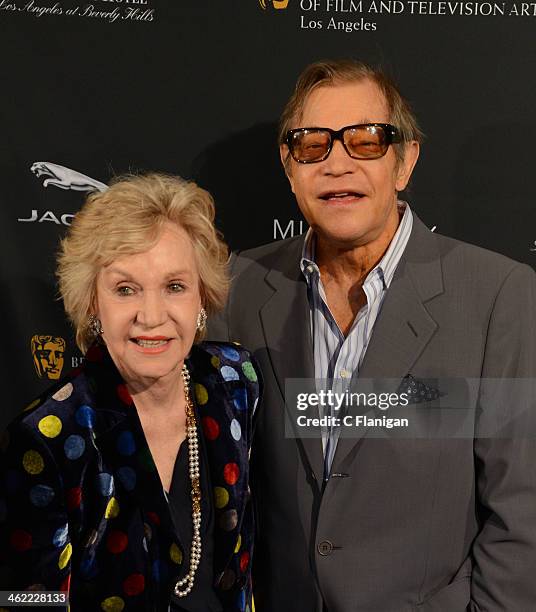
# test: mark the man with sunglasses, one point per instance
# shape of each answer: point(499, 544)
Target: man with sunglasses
point(380, 523)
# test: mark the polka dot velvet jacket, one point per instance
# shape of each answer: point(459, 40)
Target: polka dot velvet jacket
point(84, 509)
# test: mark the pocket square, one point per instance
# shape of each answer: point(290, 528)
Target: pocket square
point(417, 390)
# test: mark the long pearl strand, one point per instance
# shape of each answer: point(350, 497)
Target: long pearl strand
point(193, 464)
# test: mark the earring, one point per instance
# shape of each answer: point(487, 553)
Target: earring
point(201, 320)
point(94, 325)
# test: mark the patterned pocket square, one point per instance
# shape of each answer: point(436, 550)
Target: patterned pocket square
point(418, 391)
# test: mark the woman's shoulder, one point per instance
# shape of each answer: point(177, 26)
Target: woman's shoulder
point(228, 364)
point(230, 360)
point(64, 407)
point(231, 352)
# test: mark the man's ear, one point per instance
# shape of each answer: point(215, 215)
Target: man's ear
point(405, 168)
point(284, 155)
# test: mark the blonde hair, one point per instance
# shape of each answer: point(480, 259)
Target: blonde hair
point(128, 218)
point(338, 72)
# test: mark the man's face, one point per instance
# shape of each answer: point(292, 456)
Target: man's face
point(349, 202)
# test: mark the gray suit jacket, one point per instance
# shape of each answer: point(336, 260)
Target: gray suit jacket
point(402, 525)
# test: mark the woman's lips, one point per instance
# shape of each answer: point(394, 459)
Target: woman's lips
point(151, 345)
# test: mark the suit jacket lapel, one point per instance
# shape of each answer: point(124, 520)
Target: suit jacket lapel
point(404, 326)
point(121, 442)
point(285, 319)
point(217, 401)
point(148, 491)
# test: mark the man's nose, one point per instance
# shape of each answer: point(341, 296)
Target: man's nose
point(152, 311)
point(338, 161)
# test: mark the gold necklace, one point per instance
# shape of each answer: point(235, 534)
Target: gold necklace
point(193, 465)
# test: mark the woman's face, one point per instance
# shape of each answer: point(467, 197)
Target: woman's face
point(148, 305)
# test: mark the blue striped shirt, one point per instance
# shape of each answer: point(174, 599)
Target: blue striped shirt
point(336, 357)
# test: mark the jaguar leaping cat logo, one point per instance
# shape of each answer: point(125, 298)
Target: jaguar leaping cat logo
point(65, 178)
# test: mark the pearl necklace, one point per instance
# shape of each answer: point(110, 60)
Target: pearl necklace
point(193, 465)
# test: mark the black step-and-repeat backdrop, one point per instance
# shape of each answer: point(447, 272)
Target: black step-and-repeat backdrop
point(195, 87)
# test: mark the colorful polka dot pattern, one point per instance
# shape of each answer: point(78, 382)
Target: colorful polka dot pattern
point(107, 469)
point(201, 394)
point(33, 462)
point(231, 472)
point(63, 393)
point(229, 373)
point(113, 604)
point(65, 556)
point(124, 395)
point(175, 554)
point(211, 428)
point(112, 509)
point(105, 484)
point(116, 542)
point(134, 584)
point(60, 536)
point(230, 353)
point(221, 497)
point(249, 371)
point(50, 426)
point(236, 430)
point(238, 544)
point(74, 447)
point(240, 399)
point(235, 367)
point(126, 445)
point(41, 495)
point(85, 417)
point(73, 498)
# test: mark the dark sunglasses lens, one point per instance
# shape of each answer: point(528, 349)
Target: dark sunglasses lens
point(309, 145)
point(366, 142)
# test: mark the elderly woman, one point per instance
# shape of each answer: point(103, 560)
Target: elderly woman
point(127, 483)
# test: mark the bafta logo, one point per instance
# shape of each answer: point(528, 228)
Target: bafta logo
point(48, 355)
point(277, 4)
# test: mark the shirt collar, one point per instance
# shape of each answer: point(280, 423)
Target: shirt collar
point(385, 268)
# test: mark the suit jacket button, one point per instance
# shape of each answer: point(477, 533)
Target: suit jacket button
point(325, 548)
